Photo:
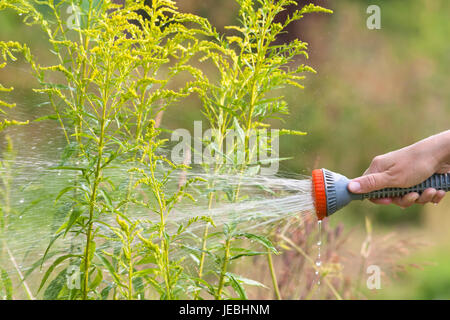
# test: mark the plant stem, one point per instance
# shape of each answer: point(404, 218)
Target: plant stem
point(22, 278)
point(210, 201)
point(224, 270)
point(130, 273)
point(205, 235)
point(164, 260)
point(273, 275)
point(311, 261)
point(93, 196)
point(89, 235)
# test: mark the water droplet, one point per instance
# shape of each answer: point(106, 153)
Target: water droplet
point(319, 245)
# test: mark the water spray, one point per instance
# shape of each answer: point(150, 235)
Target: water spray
point(331, 194)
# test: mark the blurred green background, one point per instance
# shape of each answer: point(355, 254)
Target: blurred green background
point(375, 91)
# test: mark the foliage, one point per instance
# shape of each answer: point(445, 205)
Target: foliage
point(8, 50)
point(116, 68)
point(111, 78)
point(251, 71)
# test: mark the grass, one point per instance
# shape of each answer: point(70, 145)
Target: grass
point(427, 282)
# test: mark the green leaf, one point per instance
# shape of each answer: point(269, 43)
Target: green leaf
point(76, 212)
point(249, 282)
point(147, 260)
point(260, 239)
point(68, 151)
point(110, 268)
point(56, 286)
point(52, 240)
point(57, 262)
point(238, 288)
point(39, 262)
point(97, 280)
point(145, 272)
point(239, 131)
point(246, 253)
point(49, 117)
point(6, 284)
point(105, 292)
point(63, 191)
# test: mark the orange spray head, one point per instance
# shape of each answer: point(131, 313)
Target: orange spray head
point(319, 193)
point(330, 192)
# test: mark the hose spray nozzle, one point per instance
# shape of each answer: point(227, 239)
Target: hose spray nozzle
point(330, 190)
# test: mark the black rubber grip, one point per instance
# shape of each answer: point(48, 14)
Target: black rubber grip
point(436, 181)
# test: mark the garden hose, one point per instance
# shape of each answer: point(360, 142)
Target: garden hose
point(330, 191)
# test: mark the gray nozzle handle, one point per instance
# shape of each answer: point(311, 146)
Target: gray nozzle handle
point(436, 181)
point(338, 195)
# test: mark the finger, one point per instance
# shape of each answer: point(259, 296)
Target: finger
point(407, 200)
point(384, 201)
point(426, 196)
point(438, 197)
point(370, 182)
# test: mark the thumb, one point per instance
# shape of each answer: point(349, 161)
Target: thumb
point(368, 183)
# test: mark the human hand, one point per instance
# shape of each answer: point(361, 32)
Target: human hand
point(405, 168)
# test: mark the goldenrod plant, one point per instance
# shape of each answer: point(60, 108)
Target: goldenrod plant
point(253, 70)
point(113, 74)
point(117, 66)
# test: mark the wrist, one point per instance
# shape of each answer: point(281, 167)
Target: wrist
point(446, 146)
point(440, 148)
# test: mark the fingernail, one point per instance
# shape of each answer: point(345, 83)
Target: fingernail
point(354, 186)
